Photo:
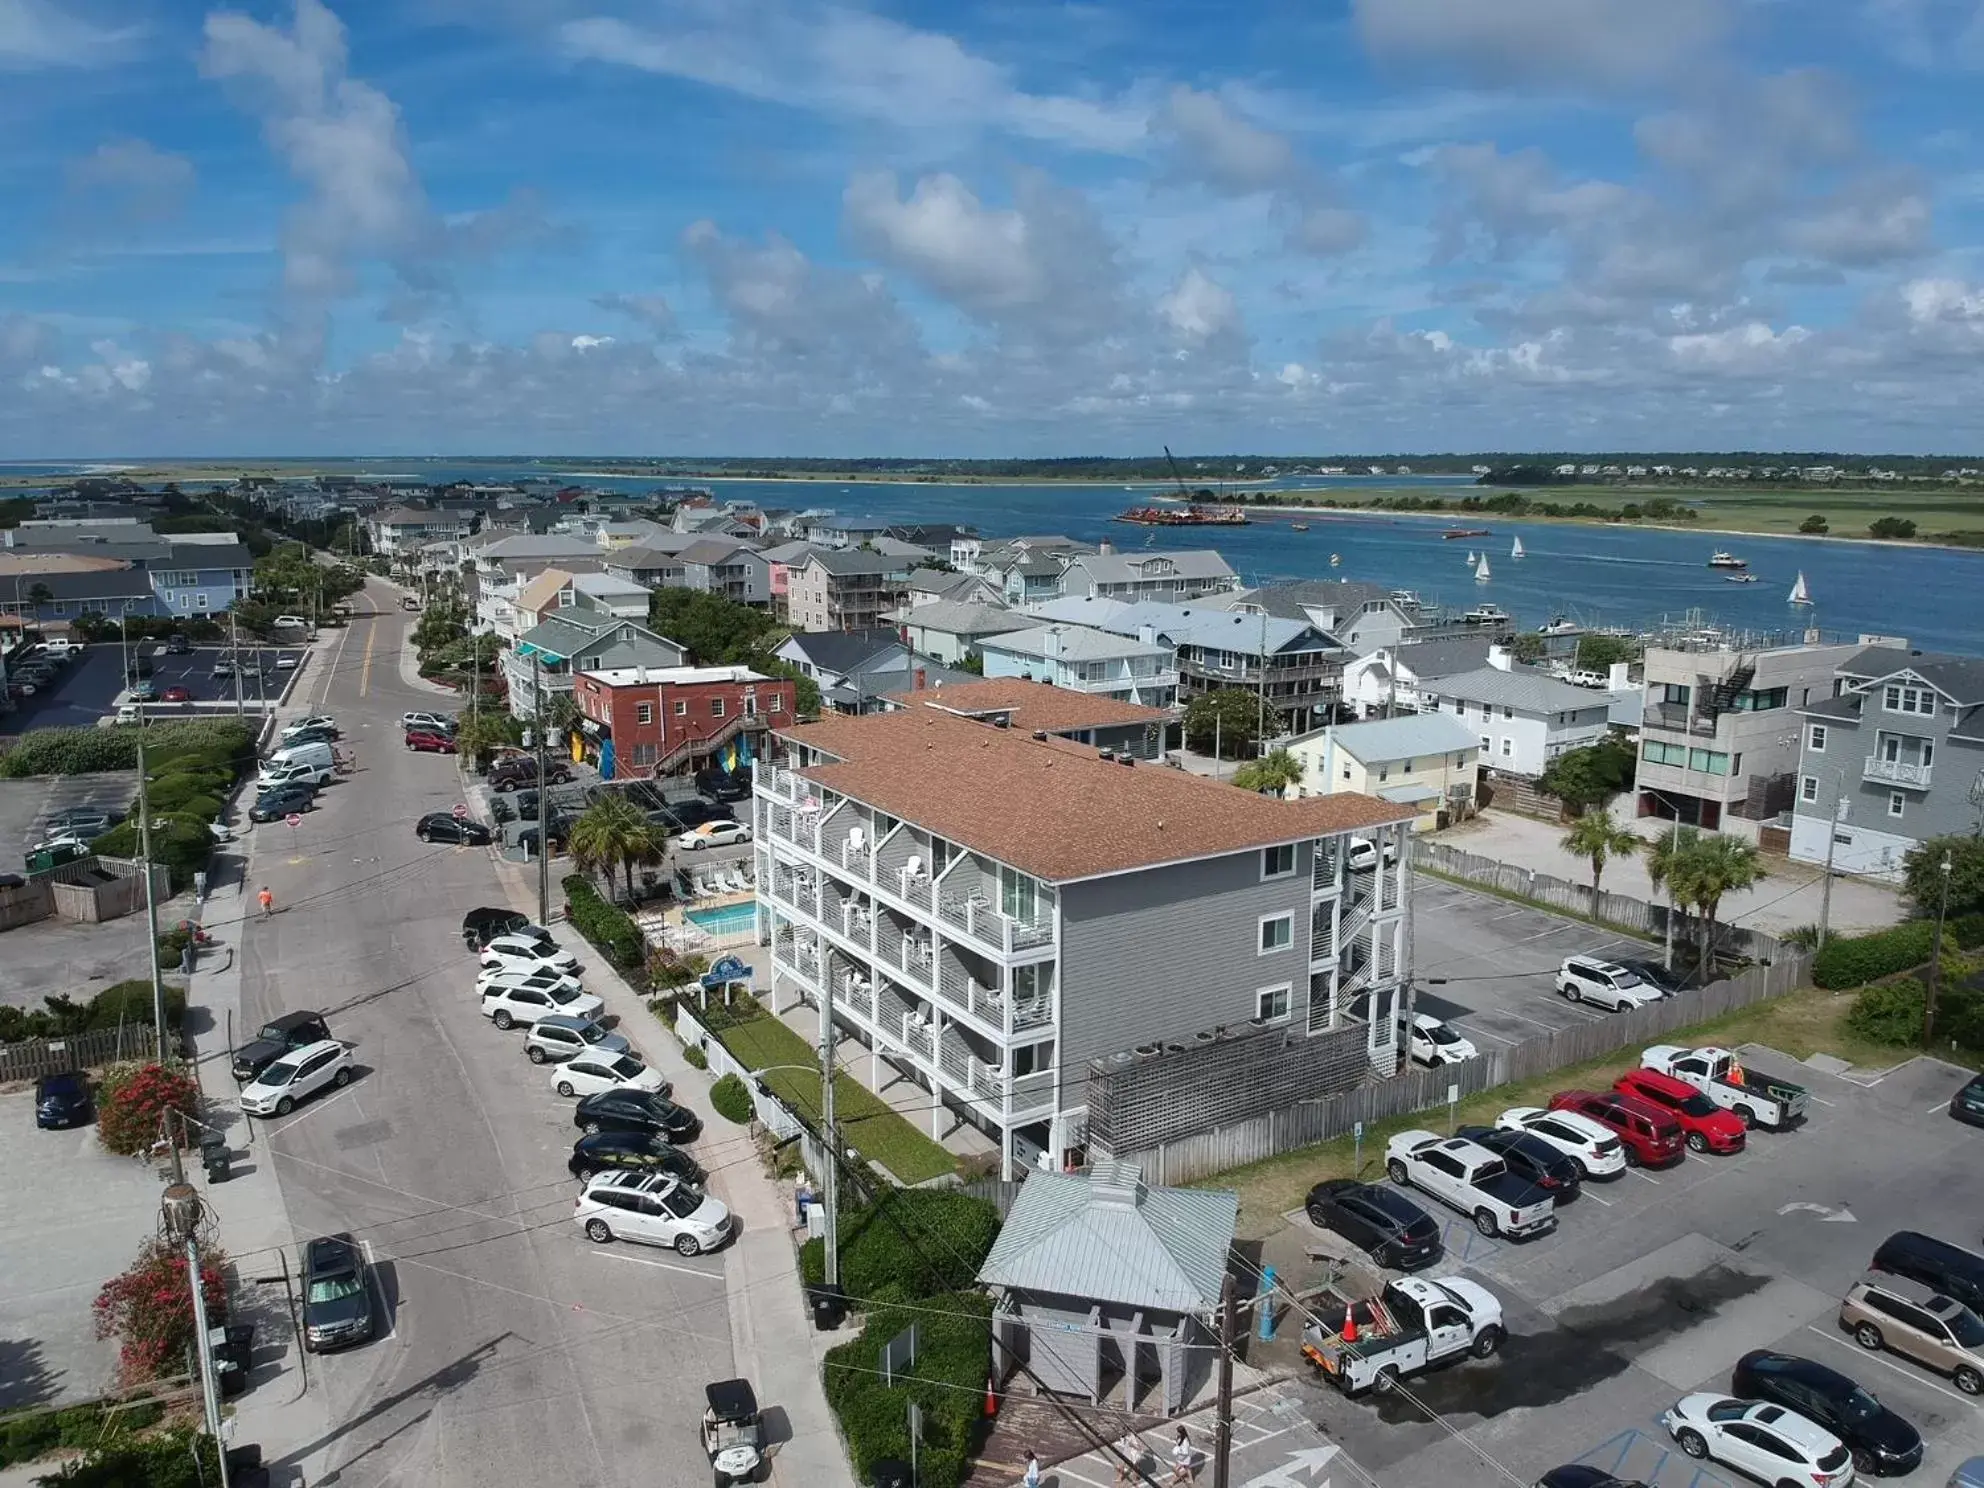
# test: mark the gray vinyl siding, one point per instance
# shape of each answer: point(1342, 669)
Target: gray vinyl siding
point(1171, 952)
point(1944, 807)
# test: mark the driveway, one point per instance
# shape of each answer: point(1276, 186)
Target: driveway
point(1786, 900)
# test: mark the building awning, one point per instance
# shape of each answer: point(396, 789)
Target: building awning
point(1409, 795)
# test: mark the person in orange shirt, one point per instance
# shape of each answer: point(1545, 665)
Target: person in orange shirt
point(267, 901)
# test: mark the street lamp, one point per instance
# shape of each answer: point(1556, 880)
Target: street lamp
point(1936, 955)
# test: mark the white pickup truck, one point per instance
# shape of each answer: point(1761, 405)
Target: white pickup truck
point(1415, 1323)
point(1473, 1180)
point(1719, 1075)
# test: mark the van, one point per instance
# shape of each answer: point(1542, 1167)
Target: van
point(1892, 1312)
point(1950, 1269)
point(316, 754)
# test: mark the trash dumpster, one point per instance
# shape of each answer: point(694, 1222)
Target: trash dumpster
point(829, 1306)
point(215, 1157)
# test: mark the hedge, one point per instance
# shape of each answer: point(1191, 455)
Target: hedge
point(183, 844)
point(166, 1460)
point(611, 930)
point(1855, 960)
point(85, 751)
point(947, 1382)
point(731, 1100)
point(34, 1434)
point(910, 1243)
point(122, 1002)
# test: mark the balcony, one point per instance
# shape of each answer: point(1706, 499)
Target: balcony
point(978, 919)
point(1904, 773)
point(1675, 718)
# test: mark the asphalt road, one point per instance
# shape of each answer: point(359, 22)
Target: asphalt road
point(517, 1353)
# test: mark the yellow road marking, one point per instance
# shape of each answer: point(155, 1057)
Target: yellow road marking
point(365, 671)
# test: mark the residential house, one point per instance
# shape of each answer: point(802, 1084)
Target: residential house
point(1108, 1289)
point(1083, 659)
point(527, 554)
point(1177, 577)
point(568, 641)
point(1720, 728)
point(1428, 761)
point(1522, 718)
point(111, 593)
point(830, 530)
point(780, 560)
point(1296, 667)
point(607, 593)
point(855, 669)
point(929, 584)
point(950, 632)
point(674, 720)
point(1364, 617)
point(845, 590)
point(401, 531)
point(977, 555)
point(1124, 729)
point(874, 689)
point(728, 567)
point(1004, 916)
point(1390, 679)
point(200, 577)
point(653, 566)
point(1892, 758)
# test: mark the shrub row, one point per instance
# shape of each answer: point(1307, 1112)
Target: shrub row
point(182, 844)
point(25, 1437)
point(85, 751)
point(183, 1458)
point(953, 1362)
point(121, 1002)
point(611, 929)
point(1855, 960)
point(909, 1244)
point(1892, 1012)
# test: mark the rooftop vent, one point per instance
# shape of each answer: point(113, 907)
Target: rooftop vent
point(1000, 720)
point(1040, 736)
point(1125, 760)
point(1108, 754)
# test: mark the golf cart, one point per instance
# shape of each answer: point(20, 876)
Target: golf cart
point(733, 1432)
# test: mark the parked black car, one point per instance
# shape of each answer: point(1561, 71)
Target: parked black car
point(1656, 976)
point(530, 838)
point(480, 926)
point(337, 1299)
point(725, 785)
point(276, 803)
point(311, 736)
point(680, 816)
point(1577, 1475)
point(1530, 1157)
point(636, 1111)
point(601, 1152)
point(1967, 1105)
point(1882, 1442)
point(62, 1100)
point(439, 826)
point(276, 1038)
point(1378, 1220)
point(177, 645)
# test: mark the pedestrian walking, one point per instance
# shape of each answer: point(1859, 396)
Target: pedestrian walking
point(1032, 1470)
point(802, 1200)
point(267, 901)
point(1130, 1454)
point(1181, 1460)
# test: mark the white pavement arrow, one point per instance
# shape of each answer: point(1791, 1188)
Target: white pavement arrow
point(1308, 1460)
point(1841, 1215)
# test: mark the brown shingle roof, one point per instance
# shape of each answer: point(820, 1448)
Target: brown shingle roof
point(1054, 808)
point(1034, 705)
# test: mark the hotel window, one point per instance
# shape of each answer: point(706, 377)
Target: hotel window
point(1816, 740)
point(1278, 862)
point(1808, 788)
point(716, 707)
point(681, 707)
point(1271, 1004)
point(644, 712)
point(1897, 802)
point(1277, 933)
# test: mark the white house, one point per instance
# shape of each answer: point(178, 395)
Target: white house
point(1126, 668)
point(1427, 761)
point(1522, 718)
point(1174, 577)
point(1390, 680)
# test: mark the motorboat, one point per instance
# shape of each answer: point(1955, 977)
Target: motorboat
point(1560, 625)
point(1739, 578)
point(1486, 614)
point(1720, 559)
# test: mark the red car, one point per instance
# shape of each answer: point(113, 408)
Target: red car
point(1709, 1128)
point(176, 694)
point(423, 741)
point(1651, 1137)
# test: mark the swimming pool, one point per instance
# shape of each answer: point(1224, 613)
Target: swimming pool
point(730, 919)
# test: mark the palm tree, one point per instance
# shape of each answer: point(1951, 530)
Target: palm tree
point(612, 833)
point(1274, 773)
point(1714, 866)
point(1663, 855)
point(1596, 837)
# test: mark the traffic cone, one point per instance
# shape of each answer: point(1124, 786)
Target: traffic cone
point(991, 1397)
point(1350, 1325)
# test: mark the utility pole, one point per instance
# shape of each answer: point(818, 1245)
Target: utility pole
point(1261, 697)
point(1936, 958)
point(543, 794)
point(151, 897)
point(234, 664)
point(1229, 1307)
point(830, 1195)
point(1832, 841)
point(180, 1218)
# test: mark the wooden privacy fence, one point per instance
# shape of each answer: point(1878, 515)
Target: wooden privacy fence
point(1559, 893)
point(32, 1058)
point(1305, 1123)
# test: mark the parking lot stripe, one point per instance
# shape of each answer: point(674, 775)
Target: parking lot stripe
point(1875, 1358)
point(614, 1255)
point(1583, 1193)
point(372, 1265)
point(1643, 1177)
point(297, 1118)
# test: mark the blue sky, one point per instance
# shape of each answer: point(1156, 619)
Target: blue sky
point(771, 226)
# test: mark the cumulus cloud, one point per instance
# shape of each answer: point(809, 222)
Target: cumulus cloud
point(1567, 44)
point(37, 34)
point(1200, 309)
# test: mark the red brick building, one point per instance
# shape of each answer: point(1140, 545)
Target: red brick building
point(673, 720)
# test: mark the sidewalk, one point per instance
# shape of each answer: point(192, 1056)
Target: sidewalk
point(1785, 900)
point(768, 1312)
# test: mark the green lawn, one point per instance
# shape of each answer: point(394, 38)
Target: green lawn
point(868, 1123)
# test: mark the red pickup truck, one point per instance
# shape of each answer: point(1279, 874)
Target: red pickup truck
point(1650, 1136)
point(1709, 1128)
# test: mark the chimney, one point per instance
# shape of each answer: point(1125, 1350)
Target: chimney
point(1105, 548)
point(1053, 641)
point(1500, 658)
point(1620, 677)
point(922, 680)
point(1147, 634)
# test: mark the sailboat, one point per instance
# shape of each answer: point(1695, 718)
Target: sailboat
point(1472, 559)
point(1516, 551)
point(1481, 570)
point(1800, 595)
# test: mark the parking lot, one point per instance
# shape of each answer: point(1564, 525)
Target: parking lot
point(1500, 962)
point(88, 688)
point(1654, 1284)
point(90, 1211)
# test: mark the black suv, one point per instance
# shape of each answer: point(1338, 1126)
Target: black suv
point(1529, 1156)
point(177, 645)
point(440, 826)
point(277, 1037)
point(480, 926)
point(1882, 1442)
point(1949, 1269)
point(337, 1302)
point(636, 1111)
point(521, 770)
point(725, 785)
point(680, 816)
point(607, 1151)
point(1378, 1220)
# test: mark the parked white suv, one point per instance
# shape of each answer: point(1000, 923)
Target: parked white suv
point(1430, 1042)
point(506, 1007)
point(1588, 979)
point(1591, 1146)
point(544, 979)
point(526, 953)
point(653, 1208)
point(297, 1076)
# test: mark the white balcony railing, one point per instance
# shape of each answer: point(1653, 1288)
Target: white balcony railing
point(1896, 772)
point(978, 919)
